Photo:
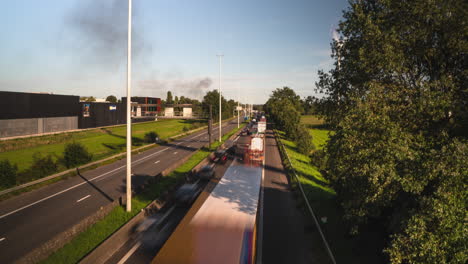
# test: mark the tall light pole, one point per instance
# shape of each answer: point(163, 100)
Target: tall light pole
point(129, 118)
point(237, 113)
point(220, 56)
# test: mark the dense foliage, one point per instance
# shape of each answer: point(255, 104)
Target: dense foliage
point(212, 98)
point(398, 101)
point(75, 154)
point(111, 98)
point(8, 174)
point(285, 108)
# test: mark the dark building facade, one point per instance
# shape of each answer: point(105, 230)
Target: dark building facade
point(94, 114)
point(14, 105)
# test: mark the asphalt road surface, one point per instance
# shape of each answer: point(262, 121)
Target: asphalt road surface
point(284, 236)
point(145, 245)
point(29, 220)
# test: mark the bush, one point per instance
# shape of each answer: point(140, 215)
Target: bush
point(43, 166)
point(75, 154)
point(318, 159)
point(8, 173)
point(303, 140)
point(185, 129)
point(151, 137)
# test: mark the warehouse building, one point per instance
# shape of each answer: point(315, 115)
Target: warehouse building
point(38, 113)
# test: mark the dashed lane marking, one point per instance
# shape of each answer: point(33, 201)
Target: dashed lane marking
point(156, 162)
point(1, 239)
point(129, 253)
point(86, 197)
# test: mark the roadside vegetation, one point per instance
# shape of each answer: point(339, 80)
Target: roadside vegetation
point(27, 159)
point(397, 102)
point(85, 242)
point(323, 199)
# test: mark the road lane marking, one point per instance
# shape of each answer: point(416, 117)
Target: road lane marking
point(79, 184)
point(156, 162)
point(1, 239)
point(87, 196)
point(129, 253)
point(188, 146)
point(175, 152)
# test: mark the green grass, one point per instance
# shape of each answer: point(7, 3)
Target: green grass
point(311, 120)
point(323, 201)
point(102, 142)
point(95, 234)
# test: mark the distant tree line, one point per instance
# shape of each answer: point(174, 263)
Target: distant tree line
point(203, 108)
point(397, 99)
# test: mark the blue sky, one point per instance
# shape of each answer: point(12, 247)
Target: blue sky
point(79, 46)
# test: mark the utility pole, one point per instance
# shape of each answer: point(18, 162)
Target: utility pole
point(210, 125)
point(129, 118)
point(237, 114)
point(220, 56)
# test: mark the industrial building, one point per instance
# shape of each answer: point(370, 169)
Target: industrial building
point(39, 113)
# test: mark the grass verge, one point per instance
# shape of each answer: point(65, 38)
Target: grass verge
point(98, 232)
point(102, 142)
point(323, 201)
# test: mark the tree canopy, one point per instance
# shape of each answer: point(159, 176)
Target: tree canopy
point(111, 99)
point(398, 100)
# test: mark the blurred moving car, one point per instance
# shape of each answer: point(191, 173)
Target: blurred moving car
point(205, 173)
point(219, 156)
point(186, 194)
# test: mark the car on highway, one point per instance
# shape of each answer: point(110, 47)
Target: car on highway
point(186, 194)
point(205, 173)
point(220, 156)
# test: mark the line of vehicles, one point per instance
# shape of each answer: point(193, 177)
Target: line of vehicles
point(221, 225)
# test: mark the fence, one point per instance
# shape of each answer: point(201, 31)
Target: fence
point(31, 126)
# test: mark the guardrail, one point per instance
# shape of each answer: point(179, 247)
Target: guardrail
point(285, 153)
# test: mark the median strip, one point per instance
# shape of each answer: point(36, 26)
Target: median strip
point(87, 240)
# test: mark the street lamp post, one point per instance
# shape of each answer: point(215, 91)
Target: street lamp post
point(220, 56)
point(129, 119)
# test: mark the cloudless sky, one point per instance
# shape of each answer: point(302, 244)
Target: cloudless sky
point(79, 46)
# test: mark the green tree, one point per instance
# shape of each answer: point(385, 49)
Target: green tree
point(212, 98)
point(75, 154)
point(397, 98)
point(169, 99)
point(8, 173)
point(111, 99)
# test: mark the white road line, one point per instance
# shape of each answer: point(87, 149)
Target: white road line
point(156, 162)
point(175, 152)
point(1, 239)
point(188, 146)
point(166, 215)
point(77, 185)
point(129, 253)
point(87, 196)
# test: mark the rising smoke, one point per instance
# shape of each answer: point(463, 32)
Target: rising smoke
point(99, 30)
point(195, 88)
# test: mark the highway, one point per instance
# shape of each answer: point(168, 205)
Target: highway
point(29, 220)
point(285, 238)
